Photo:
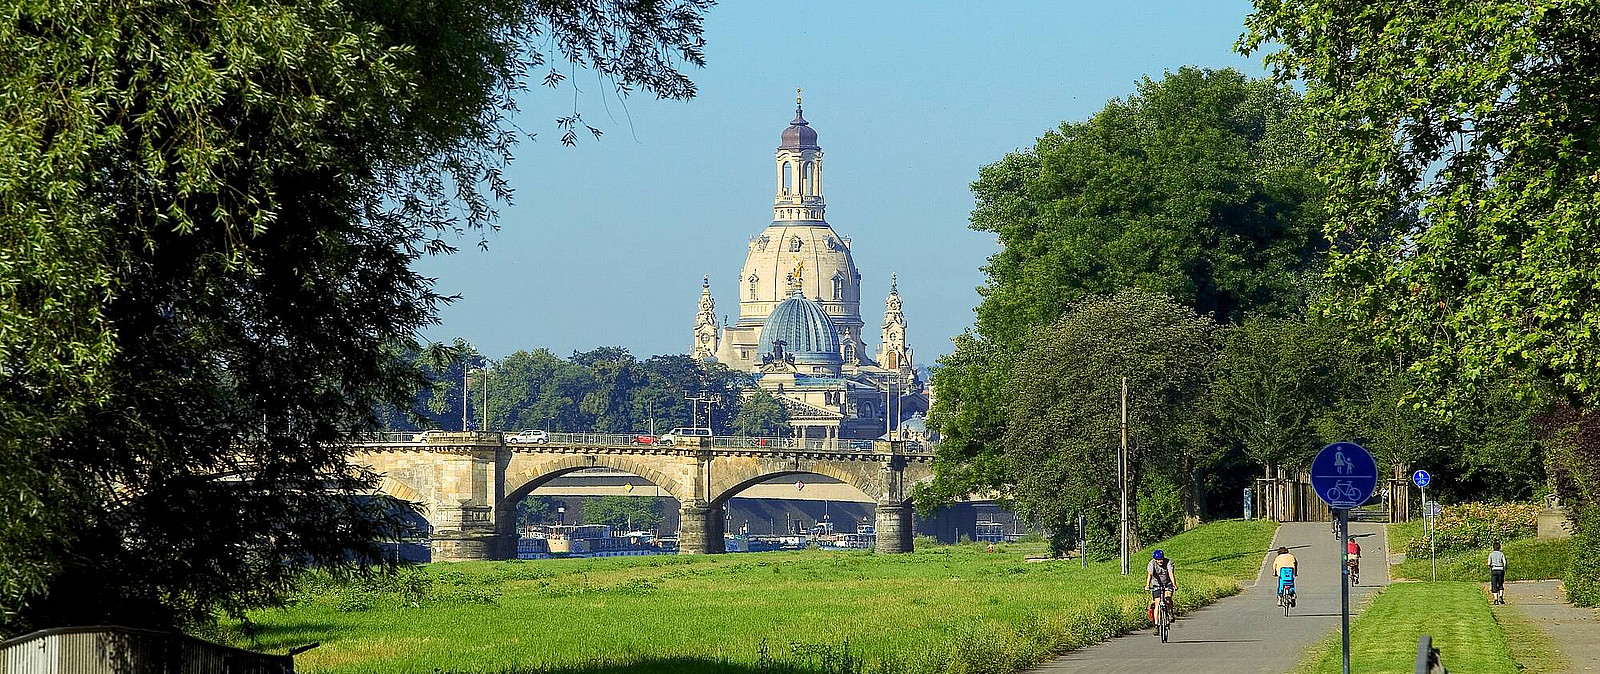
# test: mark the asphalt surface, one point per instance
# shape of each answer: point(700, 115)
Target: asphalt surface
point(1574, 631)
point(1247, 633)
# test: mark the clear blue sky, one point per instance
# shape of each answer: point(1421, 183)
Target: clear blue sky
point(607, 241)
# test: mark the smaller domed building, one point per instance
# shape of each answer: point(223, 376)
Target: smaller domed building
point(799, 330)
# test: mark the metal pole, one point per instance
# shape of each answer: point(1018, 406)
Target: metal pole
point(485, 426)
point(1083, 542)
point(1122, 475)
point(1344, 585)
point(1433, 561)
point(466, 393)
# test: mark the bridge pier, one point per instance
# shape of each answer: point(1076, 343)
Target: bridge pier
point(894, 528)
point(471, 538)
point(700, 529)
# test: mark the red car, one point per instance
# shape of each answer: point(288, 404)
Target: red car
point(644, 439)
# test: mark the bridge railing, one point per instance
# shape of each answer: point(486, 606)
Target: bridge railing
point(718, 442)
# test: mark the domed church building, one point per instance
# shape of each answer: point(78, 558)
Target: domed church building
point(799, 329)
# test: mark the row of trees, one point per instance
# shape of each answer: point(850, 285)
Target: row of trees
point(1179, 238)
point(626, 513)
point(604, 390)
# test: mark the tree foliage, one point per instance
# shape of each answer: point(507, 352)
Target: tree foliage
point(1479, 117)
point(209, 212)
point(603, 390)
point(1492, 141)
point(624, 512)
point(760, 414)
point(1199, 186)
point(1062, 415)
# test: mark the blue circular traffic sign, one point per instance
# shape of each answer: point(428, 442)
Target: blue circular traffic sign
point(1422, 478)
point(1344, 475)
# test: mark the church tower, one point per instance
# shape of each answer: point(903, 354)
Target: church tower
point(799, 238)
point(798, 196)
point(894, 354)
point(707, 334)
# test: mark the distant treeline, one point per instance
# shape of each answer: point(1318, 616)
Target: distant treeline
point(604, 390)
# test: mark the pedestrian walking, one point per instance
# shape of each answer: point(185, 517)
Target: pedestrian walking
point(1497, 574)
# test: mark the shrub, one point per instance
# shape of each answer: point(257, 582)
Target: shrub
point(1477, 525)
point(1583, 576)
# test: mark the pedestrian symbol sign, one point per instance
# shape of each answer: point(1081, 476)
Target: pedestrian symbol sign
point(1422, 478)
point(1344, 475)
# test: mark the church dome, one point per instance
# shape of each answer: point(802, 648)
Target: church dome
point(804, 328)
point(799, 135)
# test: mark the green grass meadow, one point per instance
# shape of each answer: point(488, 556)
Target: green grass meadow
point(1526, 559)
point(1383, 639)
point(942, 609)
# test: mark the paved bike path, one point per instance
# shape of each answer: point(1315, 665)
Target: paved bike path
point(1247, 633)
point(1574, 631)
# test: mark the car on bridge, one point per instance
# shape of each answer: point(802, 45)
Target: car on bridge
point(860, 444)
point(682, 434)
point(644, 439)
point(429, 435)
point(535, 437)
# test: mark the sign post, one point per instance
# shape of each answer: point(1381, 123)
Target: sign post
point(1422, 478)
point(1344, 476)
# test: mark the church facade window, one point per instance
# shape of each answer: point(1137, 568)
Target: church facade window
point(795, 244)
point(753, 288)
point(838, 288)
point(788, 179)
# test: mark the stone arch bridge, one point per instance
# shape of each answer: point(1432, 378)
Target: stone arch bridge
point(468, 484)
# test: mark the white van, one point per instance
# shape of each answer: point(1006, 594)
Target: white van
point(677, 434)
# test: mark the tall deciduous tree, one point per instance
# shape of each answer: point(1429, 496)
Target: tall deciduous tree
point(1198, 186)
point(209, 214)
point(1062, 414)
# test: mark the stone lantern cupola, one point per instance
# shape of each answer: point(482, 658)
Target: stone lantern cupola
point(799, 166)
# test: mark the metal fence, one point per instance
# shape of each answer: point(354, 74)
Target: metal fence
point(122, 650)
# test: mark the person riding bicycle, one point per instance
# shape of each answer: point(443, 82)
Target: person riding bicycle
point(1285, 560)
point(1352, 556)
point(1159, 577)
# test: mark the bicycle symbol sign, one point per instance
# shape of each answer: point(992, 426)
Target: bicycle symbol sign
point(1344, 475)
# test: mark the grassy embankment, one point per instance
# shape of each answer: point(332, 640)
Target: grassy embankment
point(1526, 559)
point(936, 610)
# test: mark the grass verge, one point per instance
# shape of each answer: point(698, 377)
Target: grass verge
point(1526, 559)
point(946, 609)
point(1533, 650)
point(1383, 639)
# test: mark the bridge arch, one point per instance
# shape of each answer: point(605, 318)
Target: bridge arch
point(865, 476)
point(522, 477)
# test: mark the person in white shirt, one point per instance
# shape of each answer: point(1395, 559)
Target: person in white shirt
point(1497, 574)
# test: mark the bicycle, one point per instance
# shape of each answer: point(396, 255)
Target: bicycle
point(1161, 611)
point(1286, 589)
point(1354, 564)
point(1343, 491)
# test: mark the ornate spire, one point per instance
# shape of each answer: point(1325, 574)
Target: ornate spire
point(893, 352)
point(707, 333)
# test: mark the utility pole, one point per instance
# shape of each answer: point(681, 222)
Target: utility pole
point(485, 370)
point(466, 393)
point(1122, 475)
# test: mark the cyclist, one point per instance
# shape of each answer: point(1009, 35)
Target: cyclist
point(1159, 577)
point(1285, 560)
point(1352, 559)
